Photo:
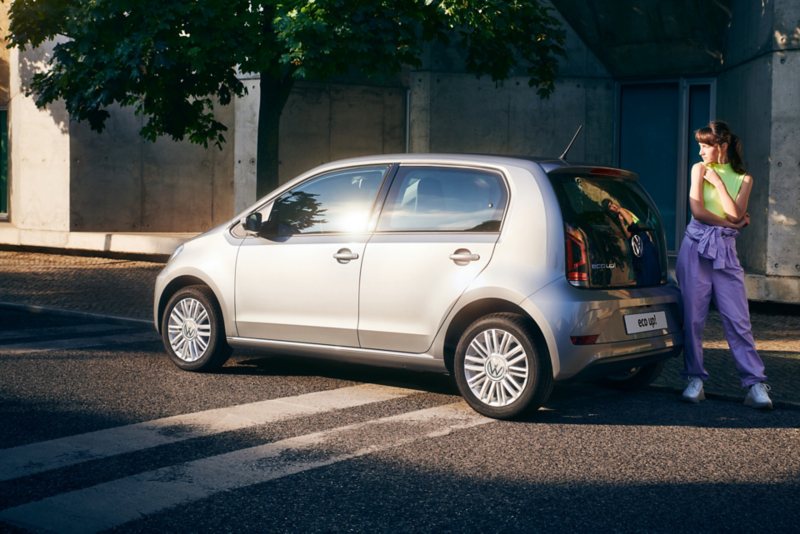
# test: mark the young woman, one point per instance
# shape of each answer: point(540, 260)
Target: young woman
point(708, 267)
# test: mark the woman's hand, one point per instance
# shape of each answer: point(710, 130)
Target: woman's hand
point(745, 221)
point(713, 178)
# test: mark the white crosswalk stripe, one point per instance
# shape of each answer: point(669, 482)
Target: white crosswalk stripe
point(117, 502)
point(44, 456)
point(78, 343)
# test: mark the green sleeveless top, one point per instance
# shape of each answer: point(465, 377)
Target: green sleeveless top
point(732, 181)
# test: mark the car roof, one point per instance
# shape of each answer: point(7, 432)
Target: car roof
point(547, 164)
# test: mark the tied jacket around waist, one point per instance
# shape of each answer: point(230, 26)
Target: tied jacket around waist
point(715, 243)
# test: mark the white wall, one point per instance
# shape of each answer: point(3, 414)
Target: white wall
point(39, 150)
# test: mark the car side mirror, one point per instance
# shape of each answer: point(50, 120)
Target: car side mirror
point(252, 223)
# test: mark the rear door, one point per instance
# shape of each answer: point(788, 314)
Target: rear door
point(436, 233)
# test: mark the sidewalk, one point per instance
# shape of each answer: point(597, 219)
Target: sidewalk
point(124, 288)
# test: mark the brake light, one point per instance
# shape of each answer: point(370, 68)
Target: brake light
point(584, 340)
point(606, 172)
point(577, 266)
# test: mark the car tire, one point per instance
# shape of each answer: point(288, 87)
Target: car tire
point(635, 378)
point(193, 330)
point(498, 383)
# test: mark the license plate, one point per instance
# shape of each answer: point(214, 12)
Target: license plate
point(645, 322)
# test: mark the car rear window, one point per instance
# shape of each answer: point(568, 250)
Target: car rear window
point(619, 225)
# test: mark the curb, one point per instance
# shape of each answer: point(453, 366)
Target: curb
point(95, 317)
point(115, 255)
point(781, 404)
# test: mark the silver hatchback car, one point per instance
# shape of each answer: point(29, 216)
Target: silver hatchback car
point(509, 273)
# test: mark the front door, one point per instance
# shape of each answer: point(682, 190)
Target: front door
point(302, 285)
point(436, 233)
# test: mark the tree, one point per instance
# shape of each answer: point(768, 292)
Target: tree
point(173, 60)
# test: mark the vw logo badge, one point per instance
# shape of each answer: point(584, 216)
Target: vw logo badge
point(636, 245)
point(495, 368)
point(189, 330)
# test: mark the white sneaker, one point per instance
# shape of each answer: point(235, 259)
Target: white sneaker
point(757, 397)
point(694, 391)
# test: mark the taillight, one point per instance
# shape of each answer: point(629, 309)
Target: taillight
point(584, 340)
point(577, 266)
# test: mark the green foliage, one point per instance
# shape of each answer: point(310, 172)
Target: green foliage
point(173, 60)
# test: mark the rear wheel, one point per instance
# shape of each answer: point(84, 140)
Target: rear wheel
point(500, 370)
point(193, 331)
point(633, 378)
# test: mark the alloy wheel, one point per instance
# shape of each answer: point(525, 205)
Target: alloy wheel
point(496, 367)
point(189, 329)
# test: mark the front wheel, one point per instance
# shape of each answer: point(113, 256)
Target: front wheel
point(193, 332)
point(499, 370)
point(633, 378)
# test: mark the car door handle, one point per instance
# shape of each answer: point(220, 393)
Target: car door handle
point(344, 255)
point(464, 256)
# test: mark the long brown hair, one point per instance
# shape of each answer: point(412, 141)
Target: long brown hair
point(718, 132)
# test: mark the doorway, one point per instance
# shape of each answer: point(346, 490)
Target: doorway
point(655, 126)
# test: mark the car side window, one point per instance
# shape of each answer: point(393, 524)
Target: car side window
point(335, 202)
point(441, 199)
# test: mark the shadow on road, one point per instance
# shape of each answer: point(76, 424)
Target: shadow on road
point(573, 404)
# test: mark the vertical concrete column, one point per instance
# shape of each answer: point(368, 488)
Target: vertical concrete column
point(420, 114)
point(783, 246)
point(39, 157)
point(245, 139)
point(419, 136)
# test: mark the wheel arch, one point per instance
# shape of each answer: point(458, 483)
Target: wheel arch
point(477, 309)
point(173, 287)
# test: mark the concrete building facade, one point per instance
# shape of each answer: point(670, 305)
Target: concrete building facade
point(639, 76)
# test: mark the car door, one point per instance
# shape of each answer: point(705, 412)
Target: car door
point(436, 233)
point(298, 279)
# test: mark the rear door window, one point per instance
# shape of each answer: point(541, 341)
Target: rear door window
point(441, 199)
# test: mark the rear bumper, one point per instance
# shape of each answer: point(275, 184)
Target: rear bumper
point(563, 311)
point(606, 359)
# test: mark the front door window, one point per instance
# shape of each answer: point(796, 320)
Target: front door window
point(337, 202)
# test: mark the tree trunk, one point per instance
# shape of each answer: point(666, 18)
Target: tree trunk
point(274, 94)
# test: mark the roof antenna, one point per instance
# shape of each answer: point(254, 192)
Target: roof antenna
point(564, 155)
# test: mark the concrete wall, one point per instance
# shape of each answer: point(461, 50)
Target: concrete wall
point(321, 122)
point(743, 100)
point(39, 173)
point(64, 177)
point(121, 183)
point(758, 96)
point(783, 249)
point(452, 111)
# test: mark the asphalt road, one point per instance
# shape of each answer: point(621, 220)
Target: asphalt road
point(100, 431)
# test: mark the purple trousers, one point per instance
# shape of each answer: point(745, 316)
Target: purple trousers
point(708, 269)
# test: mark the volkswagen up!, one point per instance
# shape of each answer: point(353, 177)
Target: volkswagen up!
point(508, 273)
